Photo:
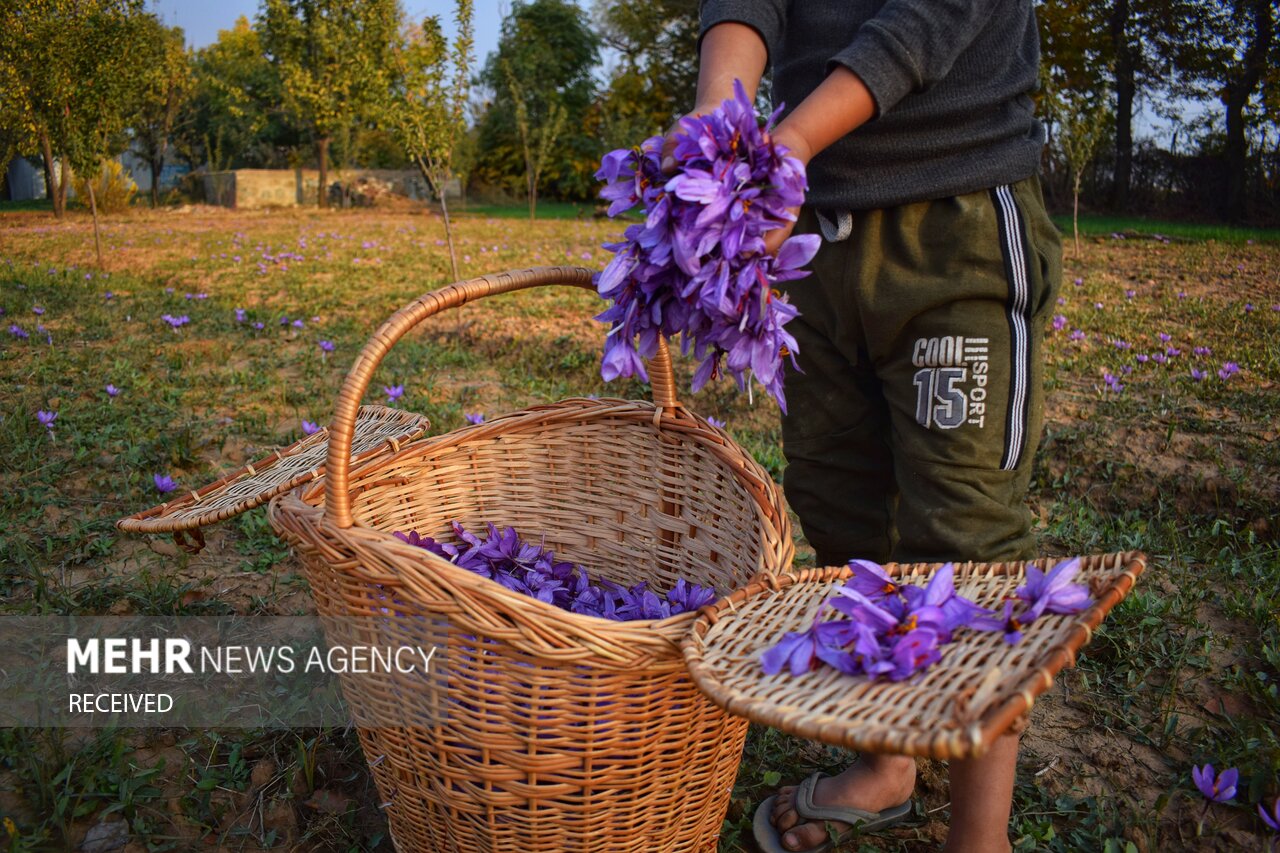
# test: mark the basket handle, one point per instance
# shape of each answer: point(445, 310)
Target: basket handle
point(337, 496)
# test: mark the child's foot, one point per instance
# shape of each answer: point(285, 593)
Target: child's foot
point(873, 784)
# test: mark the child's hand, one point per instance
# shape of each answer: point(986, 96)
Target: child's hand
point(797, 147)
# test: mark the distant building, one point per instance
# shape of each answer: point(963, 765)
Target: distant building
point(24, 181)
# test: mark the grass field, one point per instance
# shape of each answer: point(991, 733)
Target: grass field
point(1176, 454)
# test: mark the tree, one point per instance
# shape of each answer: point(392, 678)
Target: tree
point(166, 86)
point(552, 54)
point(426, 113)
point(234, 116)
point(1228, 48)
point(1081, 122)
point(333, 57)
point(656, 78)
point(536, 142)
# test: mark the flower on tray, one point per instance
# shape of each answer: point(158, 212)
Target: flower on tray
point(893, 629)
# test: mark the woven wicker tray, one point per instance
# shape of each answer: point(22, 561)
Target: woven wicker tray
point(955, 709)
point(376, 428)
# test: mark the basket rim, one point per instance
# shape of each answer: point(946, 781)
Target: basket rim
point(307, 502)
point(965, 743)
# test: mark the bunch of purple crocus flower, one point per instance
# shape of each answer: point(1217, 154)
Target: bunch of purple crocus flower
point(895, 630)
point(697, 266)
point(503, 557)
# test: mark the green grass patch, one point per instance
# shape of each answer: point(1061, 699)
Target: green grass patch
point(1098, 225)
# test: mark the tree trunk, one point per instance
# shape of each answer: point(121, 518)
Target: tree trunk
point(322, 146)
point(533, 196)
point(156, 167)
point(444, 207)
point(1236, 98)
point(63, 184)
point(1075, 214)
point(93, 206)
point(1126, 88)
point(50, 176)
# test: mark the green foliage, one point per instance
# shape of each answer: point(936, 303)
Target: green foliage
point(166, 87)
point(333, 60)
point(113, 189)
point(233, 119)
point(551, 52)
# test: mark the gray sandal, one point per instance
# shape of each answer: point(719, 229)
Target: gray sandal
point(860, 821)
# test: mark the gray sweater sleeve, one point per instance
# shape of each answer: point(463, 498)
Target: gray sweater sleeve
point(910, 44)
point(767, 17)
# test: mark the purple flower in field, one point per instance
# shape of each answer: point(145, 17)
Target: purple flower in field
point(1079, 282)
point(309, 428)
point(1198, 375)
point(1172, 352)
point(37, 310)
point(112, 391)
point(1122, 345)
point(1112, 382)
point(187, 296)
point(164, 483)
point(284, 321)
point(1165, 338)
point(1216, 788)
point(46, 419)
point(1248, 308)
point(169, 290)
point(1077, 335)
point(1273, 819)
point(1053, 592)
point(474, 417)
point(108, 295)
point(715, 422)
point(1182, 294)
point(393, 392)
point(1202, 351)
point(298, 324)
point(1097, 305)
point(1228, 369)
point(202, 296)
point(18, 332)
point(259, 326)
point(1142, 358)
point(326, 346)
point(1126, 369)
point(240, 315)
point(1276, 307)
point(175, 322)
point(1059, 322)
point(1129, 294)
point(1160, 358)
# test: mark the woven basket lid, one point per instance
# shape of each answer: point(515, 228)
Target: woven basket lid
point(377, 428)
point(954, 709)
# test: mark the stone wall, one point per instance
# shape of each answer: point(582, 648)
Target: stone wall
point(256, 188)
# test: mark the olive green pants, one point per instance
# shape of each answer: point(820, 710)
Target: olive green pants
point(919, 402)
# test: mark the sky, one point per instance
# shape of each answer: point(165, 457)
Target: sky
point(200, 19)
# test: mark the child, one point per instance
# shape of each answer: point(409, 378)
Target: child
point(918, 404)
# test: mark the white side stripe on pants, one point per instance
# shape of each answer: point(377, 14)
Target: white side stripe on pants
point(1013, 244)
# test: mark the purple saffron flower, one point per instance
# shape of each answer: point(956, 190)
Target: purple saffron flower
point(259, 326)
point(1008, 623)
point(715, 422)
point(1077, 335)
point(112, 391)
point(1228, 369)
point(871, 580)
point(18, 332)
point(1198, 375)
point(37, 310)
point(1122, 345)
point(1216, 788)
point(309, 428)
point(326, 346)
point(240, 315)
point(108, 295)
point(298, 324)
point(46, 419)
point(1129, 294)
point(164, 483)
point(1053, 592)
point(686, 597)
point(1172, 352)
point(474, 417)
point(393, 392)
point(1059, 322)
point(1160, 358)
point(1164, 338)
point(1079, 282)
point(912, 652)
point(1202, 351)
point(1142, 358)
point(1273, 819)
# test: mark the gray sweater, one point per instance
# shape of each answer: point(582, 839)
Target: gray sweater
point(951, 80)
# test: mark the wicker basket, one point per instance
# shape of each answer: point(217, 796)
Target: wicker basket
point(542, 730)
